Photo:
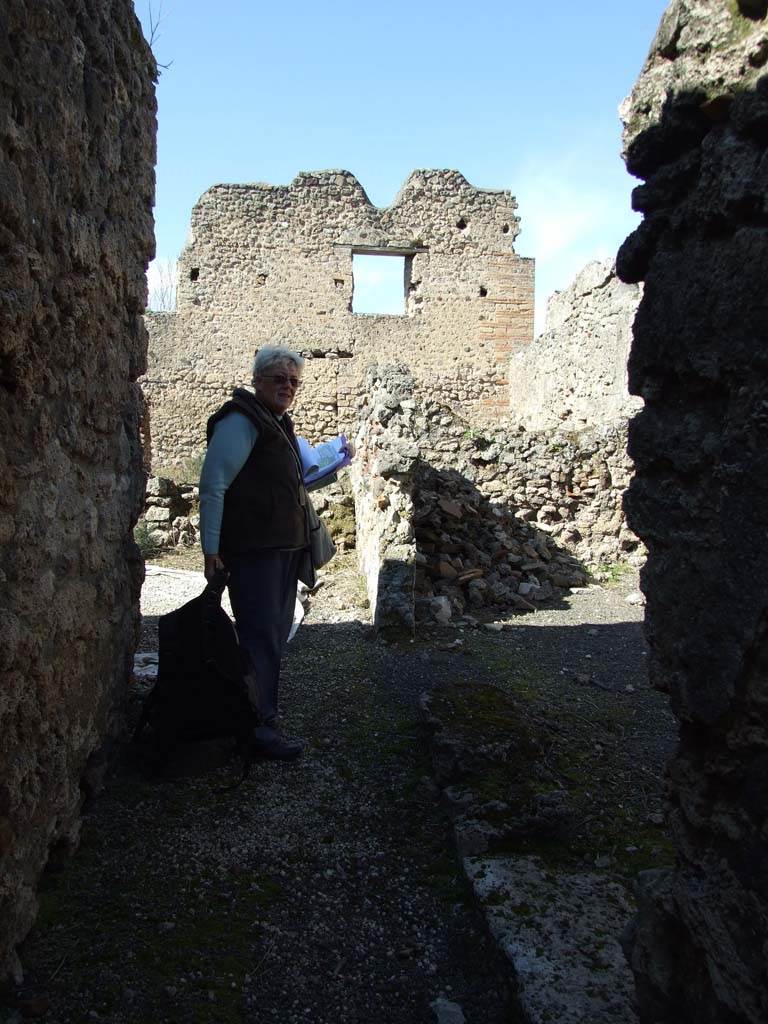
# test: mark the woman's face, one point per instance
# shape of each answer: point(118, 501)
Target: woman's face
point(278, 395)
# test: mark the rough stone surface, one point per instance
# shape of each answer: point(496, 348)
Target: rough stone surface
point(171, 513)
point(697, 132)
point(704, 52)
point(269, 263)
point(171, 516)
point(574, 375)
point(382, 481)
point(559, 931)
point(76, 191)
point(448, 1012)
point(567, 485)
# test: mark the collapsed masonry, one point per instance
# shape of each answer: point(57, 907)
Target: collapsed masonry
point(274, 264)
point(77, 133)
point(696, 130)
point(456, 523)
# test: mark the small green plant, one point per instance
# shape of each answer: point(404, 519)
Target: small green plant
point(608, 572)
point(141, 534)
point(187, 472)
point(741, 26)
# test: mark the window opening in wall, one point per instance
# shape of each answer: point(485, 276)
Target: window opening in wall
point(483, 291)
point(461, 223)
point(505, 229)
point(194, 273)
point(378, 284)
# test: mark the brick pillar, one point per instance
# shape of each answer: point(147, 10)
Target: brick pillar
point(510, 324)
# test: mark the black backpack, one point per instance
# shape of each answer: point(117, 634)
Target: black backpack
point(204, 685)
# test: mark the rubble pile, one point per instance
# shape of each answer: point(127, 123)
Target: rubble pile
point(570, 485)
point(335, 504)
point(171, 513)
point(476, 559)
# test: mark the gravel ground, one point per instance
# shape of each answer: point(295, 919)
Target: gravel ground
point(328, 890)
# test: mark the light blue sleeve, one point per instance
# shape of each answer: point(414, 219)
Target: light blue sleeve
point(229, 447)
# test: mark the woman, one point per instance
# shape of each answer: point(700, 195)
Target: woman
point(253, 523)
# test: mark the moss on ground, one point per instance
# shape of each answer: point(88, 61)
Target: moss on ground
point(608, 573)
point(543, 748)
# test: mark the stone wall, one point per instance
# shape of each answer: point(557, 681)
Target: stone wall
point(273, 264)
point(76, 156)
point(387, 451)
point(697, 133)
point(574, 375)
point(171, 515)
point(568, 484)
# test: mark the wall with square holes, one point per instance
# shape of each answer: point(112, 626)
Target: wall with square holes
point(270, 264)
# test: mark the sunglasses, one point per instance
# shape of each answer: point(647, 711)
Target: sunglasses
point(280, 379)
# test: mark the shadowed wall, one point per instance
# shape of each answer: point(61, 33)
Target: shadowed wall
point(77, 127)
point(697, 132)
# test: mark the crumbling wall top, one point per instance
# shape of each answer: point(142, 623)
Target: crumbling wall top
point(438, 209)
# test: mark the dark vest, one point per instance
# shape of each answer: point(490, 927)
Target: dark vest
point(264, 506)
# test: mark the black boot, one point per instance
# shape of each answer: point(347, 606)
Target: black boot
point(267, 742)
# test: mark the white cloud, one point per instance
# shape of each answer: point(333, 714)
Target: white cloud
point(569, 216)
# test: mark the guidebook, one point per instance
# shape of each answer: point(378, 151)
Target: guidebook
point(320, 463)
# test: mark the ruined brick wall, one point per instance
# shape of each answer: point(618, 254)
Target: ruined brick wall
point(574, 375)
point(697, 133)
point(76, 171)
point(274, 264)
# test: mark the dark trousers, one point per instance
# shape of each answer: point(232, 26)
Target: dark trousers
point(262, 589)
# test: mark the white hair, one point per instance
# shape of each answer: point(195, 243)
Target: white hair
point(268, 355)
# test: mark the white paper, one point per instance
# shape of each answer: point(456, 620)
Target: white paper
point(324, 459)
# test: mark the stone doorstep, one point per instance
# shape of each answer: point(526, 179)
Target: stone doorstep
point(559, 931)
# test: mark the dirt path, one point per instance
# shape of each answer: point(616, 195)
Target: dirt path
point(329, 891)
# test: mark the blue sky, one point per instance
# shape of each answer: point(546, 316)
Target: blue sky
point(514, 95)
